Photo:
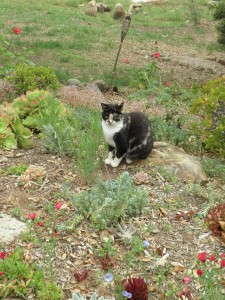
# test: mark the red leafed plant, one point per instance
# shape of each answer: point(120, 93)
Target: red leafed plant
point(81, 276)
point(216, 220)
point(137, 287)
point(106, 263)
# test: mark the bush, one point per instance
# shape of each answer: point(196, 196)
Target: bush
point(32, 77)
point(219, 14)
point(221, 29)
point(111, 201)
point(210, 107)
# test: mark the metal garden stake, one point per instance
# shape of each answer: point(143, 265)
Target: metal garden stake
point(124, 30)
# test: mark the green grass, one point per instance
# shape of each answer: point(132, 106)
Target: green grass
point(59, 35)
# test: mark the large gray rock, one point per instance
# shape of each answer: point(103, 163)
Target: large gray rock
point(10, 229)
point(178, 163)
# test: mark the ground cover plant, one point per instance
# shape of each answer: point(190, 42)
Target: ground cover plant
point(136, 232)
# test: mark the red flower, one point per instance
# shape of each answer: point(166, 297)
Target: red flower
point(2, 254)
point(184, 293)
point(202, 256)
point(137, 287)
point(2, 273)
point(58, 205)
point(186, 280)
point(199, 272)
point(167, 83)
point(32, 216)
point(222, 263)
point(212, 257)
point(222, 255)
point(156, 55)
point(55, 232)
point(106, 263)
point(16, 30)
point(81, 276)
point(126, 61)
point(40, 224)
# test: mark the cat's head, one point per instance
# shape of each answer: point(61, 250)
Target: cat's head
point(112, 113)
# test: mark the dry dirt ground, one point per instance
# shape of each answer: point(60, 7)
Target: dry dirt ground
point(181, 238)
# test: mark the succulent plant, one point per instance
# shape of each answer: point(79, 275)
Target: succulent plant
point(126, 234)
point(78, 296)
point(137, 287)
point(216, 220)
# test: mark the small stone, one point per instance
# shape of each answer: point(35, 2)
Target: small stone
point(10, 229)
point(75, 82)
point(221, 61)
point(3, 159)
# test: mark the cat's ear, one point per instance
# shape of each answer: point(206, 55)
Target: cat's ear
point(104, 106)
point(120, 106)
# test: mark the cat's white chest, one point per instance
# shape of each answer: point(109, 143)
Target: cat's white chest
point(109, 131)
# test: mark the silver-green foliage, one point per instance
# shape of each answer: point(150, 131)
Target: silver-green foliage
point(78, 296)
point(112, 200)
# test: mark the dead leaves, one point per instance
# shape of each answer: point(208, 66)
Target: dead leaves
point(141, 178)
point(33, 177)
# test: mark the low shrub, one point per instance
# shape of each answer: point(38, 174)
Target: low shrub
point(29, 77)
point(111, 201)
point(210, 108)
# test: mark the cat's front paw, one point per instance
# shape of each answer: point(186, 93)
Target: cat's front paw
point(108, 161)
point(128, 160)
point(115, 162)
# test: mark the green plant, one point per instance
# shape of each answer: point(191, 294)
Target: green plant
point(169, 130)
point(219, 10)
point(27, 77)
point(145, 80)
point(12, 131)
point(214, 167)
point(17, 170)
point(194, 11)
point(137, 246)
point(215, 220)
point(106, 247)
point(9, 58)
point(50, 291)
point(221, 30)
point(58, 139)
point(210, 107)
point(110, 201)
point(21, 276)
point(88, 137)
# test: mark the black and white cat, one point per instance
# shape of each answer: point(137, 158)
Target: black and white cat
point(128, 135)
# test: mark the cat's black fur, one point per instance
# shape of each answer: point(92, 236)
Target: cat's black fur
point(128, 135)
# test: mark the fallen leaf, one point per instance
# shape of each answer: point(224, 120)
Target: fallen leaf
point(163, 212)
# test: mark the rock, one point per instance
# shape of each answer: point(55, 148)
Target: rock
point(88, 96)
point(119, 12)
point(221, 61)
point(91, 9)
point(101, 7)
point(3, 159)
point(134, 9)
point(10, 229)
point(178, 163)
point(75, 82)
point(101, 85)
